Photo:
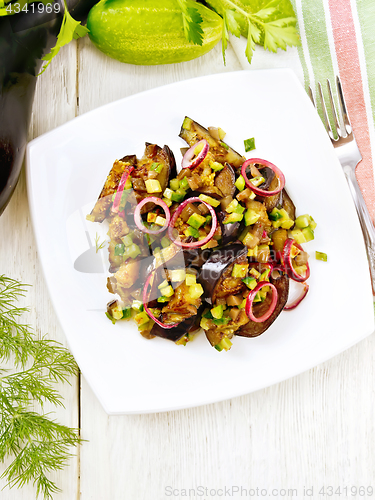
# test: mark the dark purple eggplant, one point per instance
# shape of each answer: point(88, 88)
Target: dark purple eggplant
point(24, 39)
point(288, 205)
point(252, 329)
point(192, 132)
point(229, 232)
point(225, 180)
point(216, 264)
point(190, 325)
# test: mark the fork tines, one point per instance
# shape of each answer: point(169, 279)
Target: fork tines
point(341, 131)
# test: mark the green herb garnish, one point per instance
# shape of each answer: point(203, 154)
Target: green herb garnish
point(249, 144)
point(271, 24)
point(192, 23)
point(38, 444)
point(98, 244)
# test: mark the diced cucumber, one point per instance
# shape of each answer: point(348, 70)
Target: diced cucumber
point(178, 195)
point(308, 233)
point(157, 167)
point(168, 193)
point(174, 184)
point(191, 231)
point(257, 181)
point(137, 305)
point(239, 209)
point(250, 282)
point(190, 279)
point(141, 318)
point(160, 221)
point(132, 251)
point(126, 313)
point(209, 200)
point(127, 240)
point(177, 274)
point(196, 220)
point(217, 312)
point(298, 236)
point(239, 270)
point(153, 186)
point(163, 299)
point(229, 219)
point(216, 167)
point(251, 217)
point(187, 123)
point(163, 284)
point(302, 221)
point(195, 291)
point(232, 206)
point(119, 249)
point(240, 183)
point(167, 291)
point(184, 183)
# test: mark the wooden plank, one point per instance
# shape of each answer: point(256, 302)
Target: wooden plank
point(55, 103)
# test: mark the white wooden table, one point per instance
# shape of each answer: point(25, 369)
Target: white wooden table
point(315, 430)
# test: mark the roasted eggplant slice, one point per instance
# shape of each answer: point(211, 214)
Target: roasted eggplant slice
point(101, 208)
point(229, 232)
point(175, 333)
point(288, 205)
point(156, 164)
point(192, 132)
point(214, 267)
point(225, 180)
point(252, 329)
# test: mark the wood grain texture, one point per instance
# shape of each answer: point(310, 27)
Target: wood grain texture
point(55, 103)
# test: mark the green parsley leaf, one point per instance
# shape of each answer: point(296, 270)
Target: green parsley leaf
point(271, 23)
point(70, 29)
point(249, 144)
point(192, 23)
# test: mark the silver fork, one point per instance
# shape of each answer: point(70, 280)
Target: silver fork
point(349, 156)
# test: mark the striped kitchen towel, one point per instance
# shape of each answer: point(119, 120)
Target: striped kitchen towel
point(337, 38)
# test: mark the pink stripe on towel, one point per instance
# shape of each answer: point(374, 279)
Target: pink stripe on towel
point(350, 73)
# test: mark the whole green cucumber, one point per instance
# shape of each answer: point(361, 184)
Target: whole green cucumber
point(149, 32)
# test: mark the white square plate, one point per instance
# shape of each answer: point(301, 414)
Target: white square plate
point(66, 169)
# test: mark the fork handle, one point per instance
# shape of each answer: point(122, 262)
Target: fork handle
point(367, 225)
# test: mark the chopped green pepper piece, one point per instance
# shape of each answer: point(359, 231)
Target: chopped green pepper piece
point(224, 145)
point(308, 233)
point(250, 282)
point(157, 167)
point(163, 298)
point(132, 251)
point(184, 183)
point(216, 167)
point(249, 144)
point(321, 256)
point(224, 344)
point(110, 318)
point(126, 313)
point(191, 231)
point(119, 249)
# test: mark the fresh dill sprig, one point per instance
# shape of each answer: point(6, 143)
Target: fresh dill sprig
point(98, 244)
point(38, 444)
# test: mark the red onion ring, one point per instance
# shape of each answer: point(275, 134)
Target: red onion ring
point(264, 163)
point(120, 189)
point(287, 260)
point(138, 219)
point(198, 243)
point(145, 298)
point(299, 299)
point(250, 300)
point(188, 161)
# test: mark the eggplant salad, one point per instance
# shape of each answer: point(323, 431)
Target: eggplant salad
point(212, 246)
